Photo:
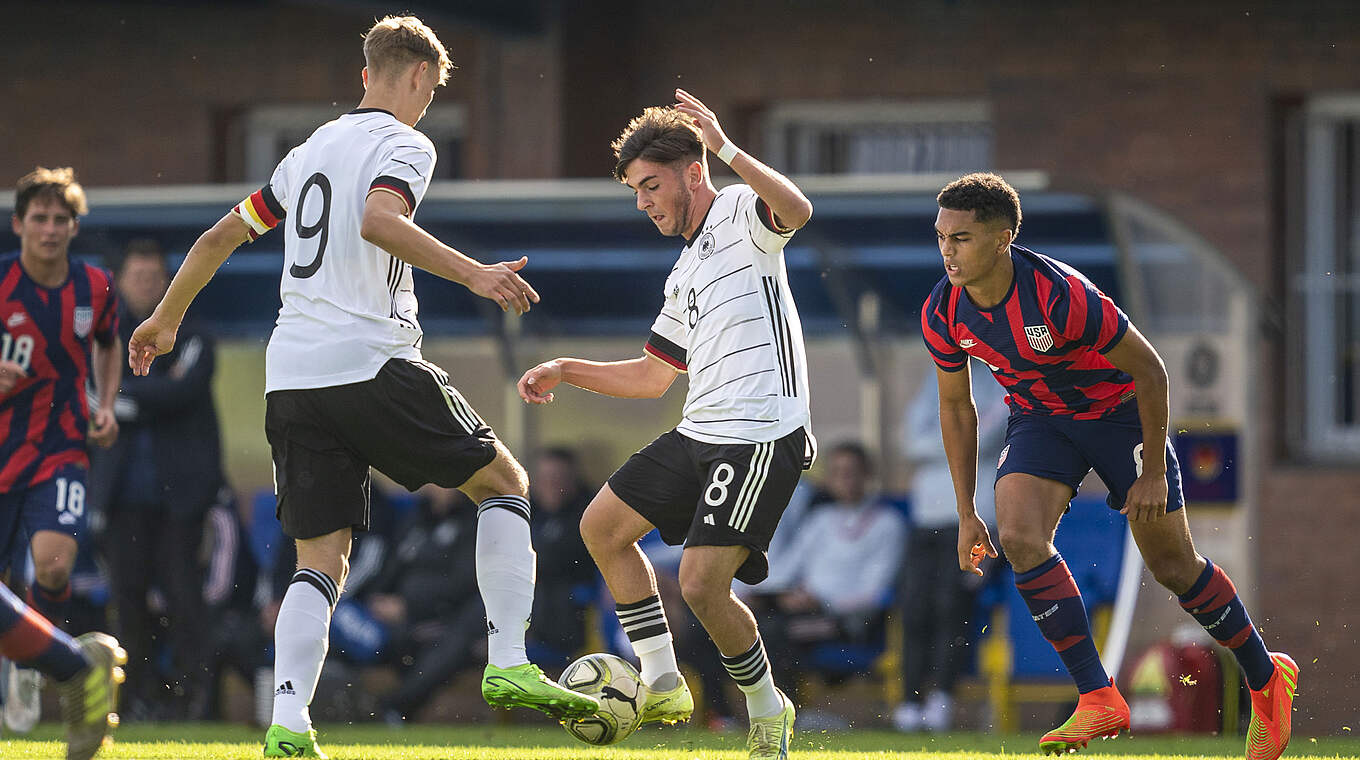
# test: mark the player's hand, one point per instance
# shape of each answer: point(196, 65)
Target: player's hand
point(1146, 501)
point(103, 427)
point(10, 374)
point(501, 283)
point(152, 338)
point(975, 543)
point(691, 106)
point(536, 384)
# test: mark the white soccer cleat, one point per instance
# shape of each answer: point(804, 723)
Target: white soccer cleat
point(23, 697)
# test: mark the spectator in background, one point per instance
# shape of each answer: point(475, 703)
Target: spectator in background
point(231, 584)
point(845, 559)
point(558, 494)
point(154, 485)
point(937, 599)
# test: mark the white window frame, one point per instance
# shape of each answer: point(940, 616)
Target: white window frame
point(1323, 436)
point(262, 127)
point(848, 114)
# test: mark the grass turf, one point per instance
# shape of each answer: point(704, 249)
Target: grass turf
point(200, 741)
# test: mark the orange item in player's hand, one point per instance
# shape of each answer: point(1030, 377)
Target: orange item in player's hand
point(977, 553)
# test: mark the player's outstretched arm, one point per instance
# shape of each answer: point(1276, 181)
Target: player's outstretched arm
point(156, 335)
point(959, 431)
point(791, 208)
point(1136, 357)
point(643, 377)
point(386, 225)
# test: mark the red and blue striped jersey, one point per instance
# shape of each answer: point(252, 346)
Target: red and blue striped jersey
point(48, 331)
point(1045, 341)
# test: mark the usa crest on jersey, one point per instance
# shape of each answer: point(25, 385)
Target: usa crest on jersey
point(1039, 338)
point(83, 320)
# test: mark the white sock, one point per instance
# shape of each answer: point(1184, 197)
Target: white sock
point(301, 640)
point(505, 575)
point(751, 671)
point(644, 623)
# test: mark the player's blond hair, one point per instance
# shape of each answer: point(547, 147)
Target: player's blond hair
point(57, 184)
point(660, 134)
point(399, 41)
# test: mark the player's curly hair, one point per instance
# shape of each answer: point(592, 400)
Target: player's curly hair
point(660, 134)
point(986, 194)
point(57, 184)
point(399, 41)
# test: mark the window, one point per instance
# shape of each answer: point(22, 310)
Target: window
point(924, 137)
point(1324, 291)
point(267, 133)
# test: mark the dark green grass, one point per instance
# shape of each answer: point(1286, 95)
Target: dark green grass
point(201, 741)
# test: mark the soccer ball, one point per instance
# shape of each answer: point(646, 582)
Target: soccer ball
point(616, 683)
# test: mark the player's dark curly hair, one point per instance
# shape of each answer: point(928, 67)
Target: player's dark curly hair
point(987, 195)
point(660, 134)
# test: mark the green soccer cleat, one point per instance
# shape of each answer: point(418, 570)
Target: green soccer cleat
point(89, 697)
point(669, 706)
point(526, 686)
point(769, 738)
point(280, 742)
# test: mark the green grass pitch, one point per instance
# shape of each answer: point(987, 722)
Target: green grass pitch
point(201, 741)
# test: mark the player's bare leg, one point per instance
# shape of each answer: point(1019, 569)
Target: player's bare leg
point(1028, 509)
point(1207, 593)
point(706, 574)
point(611, 530)
point(1169, 551)
point(506, 567)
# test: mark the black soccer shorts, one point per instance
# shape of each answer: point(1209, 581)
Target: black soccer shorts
point(408, 423)
point(705, 494)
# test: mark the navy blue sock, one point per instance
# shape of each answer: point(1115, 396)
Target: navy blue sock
point(1055, 602)
point(53, 604)
point(1213, 601)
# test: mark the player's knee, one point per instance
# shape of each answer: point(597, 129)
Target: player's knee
point(51, 573)
point(505, 476)
point(702, 593)
point(599, 531)
point(1176, 573)
point(1022, 544)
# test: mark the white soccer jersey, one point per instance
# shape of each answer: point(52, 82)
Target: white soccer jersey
point(729, 320)
point(348, 306)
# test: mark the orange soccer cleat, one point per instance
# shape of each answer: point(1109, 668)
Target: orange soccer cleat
point(1271, 710)
point(1102, 712)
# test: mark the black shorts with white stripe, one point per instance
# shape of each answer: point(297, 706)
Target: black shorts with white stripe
point(408, 422)
point(705, 494)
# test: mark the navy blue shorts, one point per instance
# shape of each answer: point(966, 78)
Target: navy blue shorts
point(57, 504)
point(1065, 450)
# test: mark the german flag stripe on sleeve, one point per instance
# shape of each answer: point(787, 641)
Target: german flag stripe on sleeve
point(667, 351)
point(261, 211)
point(396, 186)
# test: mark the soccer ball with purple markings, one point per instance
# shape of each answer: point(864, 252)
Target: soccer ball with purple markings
point(616, 683)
